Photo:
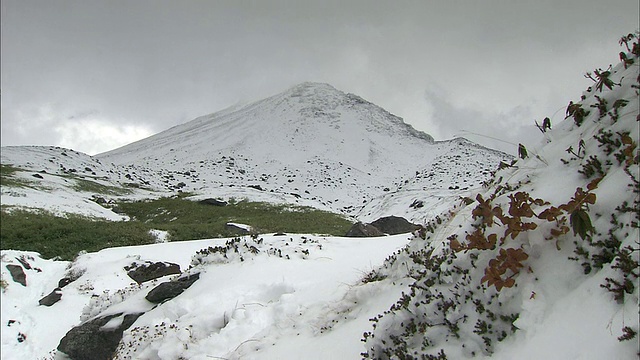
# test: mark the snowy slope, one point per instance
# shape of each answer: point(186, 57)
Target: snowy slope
point(64, 181)
point(237, 309)
point(313, 142)
point(544, 262)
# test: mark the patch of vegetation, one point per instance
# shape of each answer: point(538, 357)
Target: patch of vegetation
point(187, 220)
point(465, 294)
point(7, 176)
point(64, 237)
point(53, 236)
point(94, 187)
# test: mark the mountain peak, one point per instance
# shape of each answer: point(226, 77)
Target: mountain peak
point(311, 85)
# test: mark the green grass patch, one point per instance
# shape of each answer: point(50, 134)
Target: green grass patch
point(64, 237)
point(184, 220)
point(7, 177)
point(187, 220)
point(94, 187)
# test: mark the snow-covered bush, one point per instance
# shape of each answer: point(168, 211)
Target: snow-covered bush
point(505, 250)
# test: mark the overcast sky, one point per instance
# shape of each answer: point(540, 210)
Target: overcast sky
point(96, 75)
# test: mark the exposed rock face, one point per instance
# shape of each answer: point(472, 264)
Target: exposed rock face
point(213, 202)
point(52, 298)
point(95, 341)
point(363, 230)
point(149, 271)
point(169, 290)
point(17, 274)
point(394, 225)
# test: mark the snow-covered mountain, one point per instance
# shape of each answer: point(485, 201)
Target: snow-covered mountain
point(310, 145)
point(312, 142)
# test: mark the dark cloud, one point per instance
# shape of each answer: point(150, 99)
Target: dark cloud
point(143, 66)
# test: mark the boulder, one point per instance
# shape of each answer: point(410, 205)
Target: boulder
point(394, 225)
point(17, 274)
point(23, 261)
point(52, 298)
point(65, 281)
point(239, 229)
point(169, 290)
point(363, 230)
point(149, 271)
point(214, 202)
point(93, 340)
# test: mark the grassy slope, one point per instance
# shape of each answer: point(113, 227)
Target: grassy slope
point(183, 219)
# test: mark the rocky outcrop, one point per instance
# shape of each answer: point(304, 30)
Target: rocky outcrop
point(213, 202)
point(363, 230)
point(52, 298)
point(148, 271)
point(239, 229)
point(394, 225)
point(390, 225)
point(96, 339)
point(17, 274)
point(169, 290)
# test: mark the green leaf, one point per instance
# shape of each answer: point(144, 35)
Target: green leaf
point(581, 223)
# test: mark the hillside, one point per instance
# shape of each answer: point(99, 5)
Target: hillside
point(544, 262)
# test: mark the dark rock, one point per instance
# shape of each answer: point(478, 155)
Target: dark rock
point(17, 274)
point(52, 298)
point(236, 229)
point(100, 200)
point(169, 290)
point(118, 210)
point(257, 187)
point(363, 230)
point(64, 282)
point(279, 234)
point(417, 204)
point(89, 341)
point(37, 176)
point(23, 261)
point(394, 225)
point(149, 271)
point(213, 202)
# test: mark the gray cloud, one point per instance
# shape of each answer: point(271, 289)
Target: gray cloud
point(140, 67)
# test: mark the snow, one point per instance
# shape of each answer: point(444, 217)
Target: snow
point(234, 308)
point(308, 296)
